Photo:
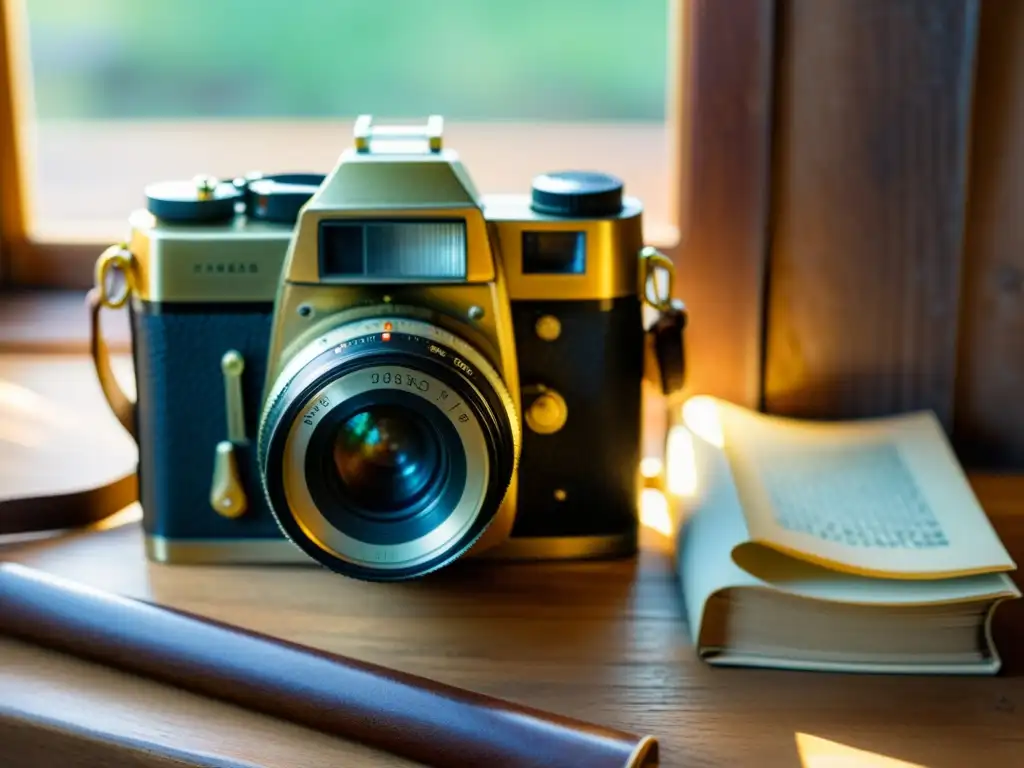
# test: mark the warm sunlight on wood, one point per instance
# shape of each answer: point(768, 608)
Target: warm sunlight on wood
point(27, 418)
point(17, 400)
point(700, 420)
point(21, 399)
point(680, 462)
point(700, 414)
point(57, 434)
point(816, 752)
point(650, 467)
point(128, 515)
point(654, 512)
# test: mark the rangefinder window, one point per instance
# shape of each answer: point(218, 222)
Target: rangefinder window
point(554, 253)
point(389, 250)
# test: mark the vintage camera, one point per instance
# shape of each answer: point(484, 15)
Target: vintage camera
point(382, 370)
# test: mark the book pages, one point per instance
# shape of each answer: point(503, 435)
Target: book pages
point(880, 497)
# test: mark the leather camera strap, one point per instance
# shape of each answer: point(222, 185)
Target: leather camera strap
point(81, 508)
point(63, 511)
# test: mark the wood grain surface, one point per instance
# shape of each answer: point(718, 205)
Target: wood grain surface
point(871, 134)
point(989, 425)
point(52, 413)
point(32, 739)
point(55, 322)
point(604, 642)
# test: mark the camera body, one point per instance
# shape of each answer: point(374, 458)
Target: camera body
point(282, 326)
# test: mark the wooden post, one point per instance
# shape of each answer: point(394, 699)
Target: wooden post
point(724, 238)
point(869, 187)
point(989, 424)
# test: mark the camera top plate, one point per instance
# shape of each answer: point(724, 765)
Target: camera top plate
point(274, 198)
point(278, 198)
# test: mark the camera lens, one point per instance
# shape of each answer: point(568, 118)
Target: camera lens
point(387, 447)
point(385, 458)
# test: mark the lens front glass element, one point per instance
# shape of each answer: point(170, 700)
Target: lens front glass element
point(386, 458)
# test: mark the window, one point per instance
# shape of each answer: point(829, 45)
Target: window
point(116, 94)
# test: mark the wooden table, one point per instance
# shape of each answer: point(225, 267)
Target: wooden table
point(604, 642)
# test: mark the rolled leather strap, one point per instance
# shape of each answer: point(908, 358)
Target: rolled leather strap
point(403, 714)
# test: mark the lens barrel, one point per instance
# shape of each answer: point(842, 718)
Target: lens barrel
point(386, 448)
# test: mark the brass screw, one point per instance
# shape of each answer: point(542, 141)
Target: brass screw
point(548, 327)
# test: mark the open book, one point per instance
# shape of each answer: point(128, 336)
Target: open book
point(853, 546)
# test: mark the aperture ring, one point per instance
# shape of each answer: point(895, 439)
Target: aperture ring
point(451, 350)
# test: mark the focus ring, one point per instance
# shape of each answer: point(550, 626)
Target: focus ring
point(349, 332)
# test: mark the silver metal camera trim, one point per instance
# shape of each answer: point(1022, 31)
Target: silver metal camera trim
point(406, 554)
point(367, 326)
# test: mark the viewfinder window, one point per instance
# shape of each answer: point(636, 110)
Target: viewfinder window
point(554, 253)
point(393, 250)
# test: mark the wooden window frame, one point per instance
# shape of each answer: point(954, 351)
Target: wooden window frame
point(63, 258)
point(13, 218)
point(719, 107)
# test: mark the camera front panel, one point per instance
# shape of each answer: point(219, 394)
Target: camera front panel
point(579, 479)
point(182, 416)
point(571, 253)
